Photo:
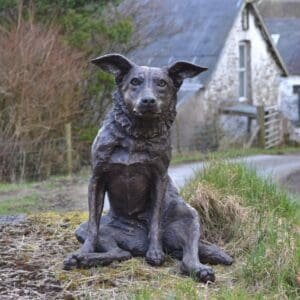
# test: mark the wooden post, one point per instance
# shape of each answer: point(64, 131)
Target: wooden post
point(261, 123)
point(68, 131)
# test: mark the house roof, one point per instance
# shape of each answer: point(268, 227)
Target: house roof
point(279, 8)
point(194, 30)
point(284, 19)
point(267, 37)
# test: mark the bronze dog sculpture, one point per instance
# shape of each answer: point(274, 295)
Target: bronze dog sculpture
point(130, 159)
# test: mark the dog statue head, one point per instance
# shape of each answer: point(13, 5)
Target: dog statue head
point(147, 92)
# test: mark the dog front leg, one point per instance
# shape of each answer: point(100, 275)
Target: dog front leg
point(96, 192)
point(155, 254)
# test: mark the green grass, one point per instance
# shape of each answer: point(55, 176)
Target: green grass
point(237, 179)
point(192, 156)
point(185, 289)
point(17, 205)
point(12, 187)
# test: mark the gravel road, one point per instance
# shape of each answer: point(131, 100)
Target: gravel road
point(276, 167)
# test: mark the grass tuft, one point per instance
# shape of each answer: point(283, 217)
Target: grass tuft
point(223, 217)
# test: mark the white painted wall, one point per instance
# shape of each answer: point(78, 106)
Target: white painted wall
point(264, 70)
point(288, 101)
point(223, 87)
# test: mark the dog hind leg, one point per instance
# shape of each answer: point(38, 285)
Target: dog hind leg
point(208, 253)
point(182, 231)
point(176, 210)
point(212, 254)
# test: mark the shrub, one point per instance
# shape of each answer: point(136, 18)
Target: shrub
point(39, 93)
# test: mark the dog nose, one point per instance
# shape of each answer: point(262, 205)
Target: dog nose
point(148, 101)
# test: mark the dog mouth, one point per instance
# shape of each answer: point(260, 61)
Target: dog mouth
point(146, 112)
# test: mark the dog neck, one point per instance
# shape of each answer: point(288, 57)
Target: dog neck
point(138, 127)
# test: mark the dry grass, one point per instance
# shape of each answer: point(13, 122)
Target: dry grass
point(224, 219)
point(31, 266)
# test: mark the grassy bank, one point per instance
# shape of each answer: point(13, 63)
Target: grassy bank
point(249, 217)
point(257, 223)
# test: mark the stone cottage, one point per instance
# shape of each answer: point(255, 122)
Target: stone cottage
point(283, 21)
point(230, 38)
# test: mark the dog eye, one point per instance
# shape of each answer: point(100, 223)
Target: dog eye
point(135, 81)
point(161, 83)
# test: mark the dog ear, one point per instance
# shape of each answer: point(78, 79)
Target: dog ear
point(115, 64)
point(181, 70)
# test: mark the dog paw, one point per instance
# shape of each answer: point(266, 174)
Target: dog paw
point(75, 259)
point(71, 261)
point(204, 275)
point(155, 257)
point(200, 273)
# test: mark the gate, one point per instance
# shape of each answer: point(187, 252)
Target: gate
point(269, 122)
point(270, 128)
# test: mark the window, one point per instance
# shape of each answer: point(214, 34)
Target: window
point(244, 70)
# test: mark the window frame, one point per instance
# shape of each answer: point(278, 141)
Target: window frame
point(244, 71)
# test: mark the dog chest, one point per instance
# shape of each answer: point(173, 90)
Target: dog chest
point(130, 178)
point(143, 152)
point(129, 187)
